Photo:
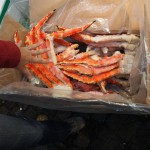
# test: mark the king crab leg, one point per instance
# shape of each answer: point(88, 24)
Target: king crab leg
point(56, 72)
point(97, 63)
point(93, 79)
point(101, 39)
point(62, 42)
point(50, 44)
point(42, 68)
point(68, 53)
point(69, 32)
point(84, 69)
point(44, 19)
point(32, 67)
point(125, 45)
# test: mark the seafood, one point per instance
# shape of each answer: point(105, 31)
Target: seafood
point(102, 62)
point(106, 38)
point(126, 41)
point(69, 66)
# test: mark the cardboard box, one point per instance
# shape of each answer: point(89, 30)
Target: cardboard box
point(75, 101)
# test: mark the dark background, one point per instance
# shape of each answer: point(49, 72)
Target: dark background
point(102, 131)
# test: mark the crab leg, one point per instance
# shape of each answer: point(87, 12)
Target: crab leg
point(69, 32)
point(83, 69)
point(106, 38)
point(124, 45)
point(89, 40)
point(83, 55)
point(60, 49)
point(93, 79)
point(46, 81)
point(50, 44)
point(32, 67)
point(16, 37)
point(44, 19)
point(68, 53)
point(38, 26)
point(43, 36)
point(98, 63)
point(63, 42)
point(131, 38)
point(42, 68)
point(56, 72)
point(59, 74)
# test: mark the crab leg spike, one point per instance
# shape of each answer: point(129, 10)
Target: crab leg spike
point(69, 32)
point(93, 79)
point(60, 28)
point(102, 86)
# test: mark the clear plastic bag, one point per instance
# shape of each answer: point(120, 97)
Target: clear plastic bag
point(112, 17)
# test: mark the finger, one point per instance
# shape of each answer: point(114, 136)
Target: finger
point(20, 43)
point(26, 72)
point(33, 46)
point(40, 61)
point(38, 52)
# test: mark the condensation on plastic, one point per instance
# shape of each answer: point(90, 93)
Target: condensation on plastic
point(113, 16)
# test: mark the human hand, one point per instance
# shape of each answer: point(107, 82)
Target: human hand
point(27, 57)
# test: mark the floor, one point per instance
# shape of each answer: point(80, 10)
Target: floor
point(102, 131)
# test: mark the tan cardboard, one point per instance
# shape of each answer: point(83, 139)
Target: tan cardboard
point(9, 27)
point(39, 8)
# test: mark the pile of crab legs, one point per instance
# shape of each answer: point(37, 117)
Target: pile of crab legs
point(69, 68)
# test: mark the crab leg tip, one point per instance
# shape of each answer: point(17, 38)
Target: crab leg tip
point(57, 26)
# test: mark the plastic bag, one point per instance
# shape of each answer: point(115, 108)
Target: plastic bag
point(113, 16)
